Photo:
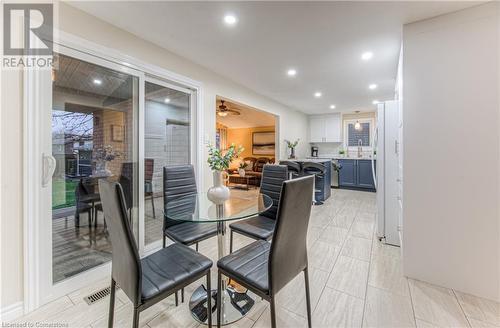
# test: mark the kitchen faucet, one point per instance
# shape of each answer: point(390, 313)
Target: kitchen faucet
point(360, 148)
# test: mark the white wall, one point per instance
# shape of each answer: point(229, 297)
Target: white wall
point(451, 157)
point(292, 125)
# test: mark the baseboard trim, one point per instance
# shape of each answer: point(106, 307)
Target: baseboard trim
point(11, 312)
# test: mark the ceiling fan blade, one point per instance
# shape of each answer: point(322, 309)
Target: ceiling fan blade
point(233, 112)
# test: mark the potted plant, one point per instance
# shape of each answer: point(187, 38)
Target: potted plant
point(102, 157)
point(241, 169)
point(291, 146)
point(341, 152)
point(219, 163)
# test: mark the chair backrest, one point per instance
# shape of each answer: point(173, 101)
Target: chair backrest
point(126, 263)
point(273, 177)
point(178, 181)
point(259, 164)
point(313, 168)
point(288, 255)
point(126, 180)
point(292, 166)
point(149, 164)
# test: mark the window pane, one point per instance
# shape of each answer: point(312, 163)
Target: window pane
point(167, 142)
point(354, 136)
point(94, 118)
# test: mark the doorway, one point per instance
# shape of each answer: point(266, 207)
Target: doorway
point(256, 131)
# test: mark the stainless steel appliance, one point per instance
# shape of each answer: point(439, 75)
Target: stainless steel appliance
point(314, 151)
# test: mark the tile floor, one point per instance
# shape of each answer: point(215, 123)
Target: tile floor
point(355, 281)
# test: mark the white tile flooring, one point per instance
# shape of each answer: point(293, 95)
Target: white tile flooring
point(355, 281)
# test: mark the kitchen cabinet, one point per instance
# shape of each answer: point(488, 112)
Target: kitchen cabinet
point(356, 173)
point(325, 128)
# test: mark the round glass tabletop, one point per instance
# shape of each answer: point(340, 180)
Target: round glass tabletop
point(198, 208)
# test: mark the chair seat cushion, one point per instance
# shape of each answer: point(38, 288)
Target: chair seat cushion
point(169, 268)
point(249, 265)
point(258, 227)
point(189, 233)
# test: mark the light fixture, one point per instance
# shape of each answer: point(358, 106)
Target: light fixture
point(291, 72)
point(223, 114)
point(230, 19)
point(357, 125)
point(375, 102)
point(167, 100)
point(372, 86)
point(367, 55)
point(97, 81)
point(332, 106)
point(317, 94)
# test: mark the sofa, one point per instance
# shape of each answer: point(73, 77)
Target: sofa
point(254, 167)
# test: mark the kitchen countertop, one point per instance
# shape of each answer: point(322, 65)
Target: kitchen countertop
point(324, 158)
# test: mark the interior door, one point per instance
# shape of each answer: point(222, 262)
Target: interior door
point(90, 132)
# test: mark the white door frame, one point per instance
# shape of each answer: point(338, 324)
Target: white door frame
point(36, 91)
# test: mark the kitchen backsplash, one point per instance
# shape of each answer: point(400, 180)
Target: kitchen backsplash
point(332, 149)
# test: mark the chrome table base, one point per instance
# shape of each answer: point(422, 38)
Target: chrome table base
point(234, 305)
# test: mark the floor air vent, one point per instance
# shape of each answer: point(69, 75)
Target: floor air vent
point(97, 296)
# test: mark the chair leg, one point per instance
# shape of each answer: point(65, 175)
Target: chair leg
point(89, 213)
point(176, 298)
point(196, 246)
point(231, 242)
point(96, 216)
point(219, 299)
point(273, 312)
point(209, 300)
point(112, 303)
point(135, 324)
point(182, 295)
point(153, 205)
point(308, 298)
point(164, 241)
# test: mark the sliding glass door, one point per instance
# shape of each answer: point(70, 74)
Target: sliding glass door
point(94, 137)
point(103, 121)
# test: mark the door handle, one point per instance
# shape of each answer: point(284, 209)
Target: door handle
point(48, 168)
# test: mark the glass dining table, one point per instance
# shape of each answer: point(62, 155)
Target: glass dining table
point(198, 209)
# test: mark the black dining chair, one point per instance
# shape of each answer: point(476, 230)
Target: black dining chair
point(149, 280)
point(179, 181)
point(83, 205)
point(261, 227)
point(265, 268)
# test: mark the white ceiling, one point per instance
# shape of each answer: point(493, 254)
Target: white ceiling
point(249, 117)
point(323, 41)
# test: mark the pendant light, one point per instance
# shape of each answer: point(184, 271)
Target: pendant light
point(357, 125)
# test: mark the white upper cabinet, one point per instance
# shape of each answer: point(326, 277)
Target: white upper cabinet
point(325, 128)
point(316, 129)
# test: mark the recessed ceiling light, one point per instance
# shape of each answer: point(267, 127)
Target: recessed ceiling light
point(97, 81)
point(372, 86)
point(332, 106)
point(230, 19)
point(291, 72)
point(367, 55)
point(167, 100)
point(317, 94)
point(375, 102)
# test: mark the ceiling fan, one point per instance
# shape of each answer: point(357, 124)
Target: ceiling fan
point(224, 111)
